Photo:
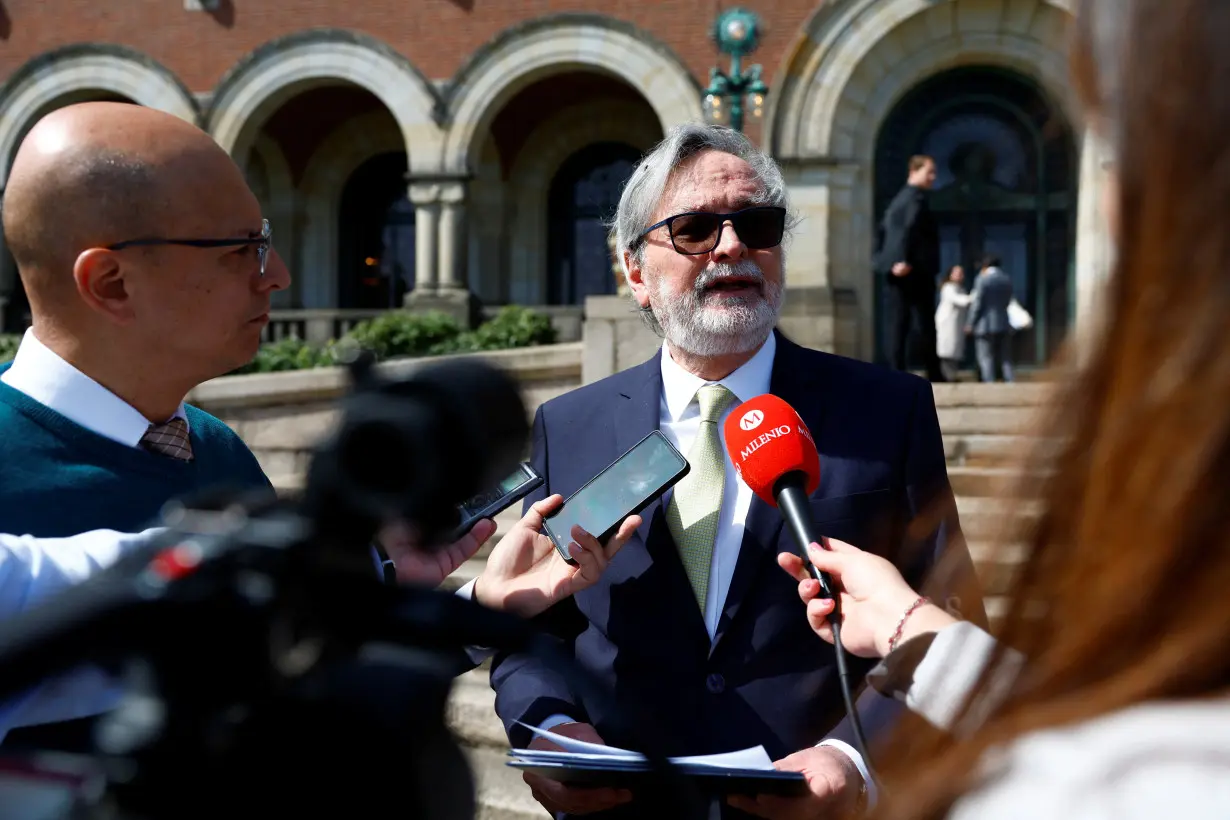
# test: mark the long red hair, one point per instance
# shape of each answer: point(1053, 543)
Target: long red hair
point(1122, 598)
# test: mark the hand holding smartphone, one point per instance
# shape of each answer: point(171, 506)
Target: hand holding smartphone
point(624, 488)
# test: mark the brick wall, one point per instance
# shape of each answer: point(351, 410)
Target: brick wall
point(438, 36)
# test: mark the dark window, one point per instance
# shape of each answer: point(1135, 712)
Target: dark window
point(584, 196)
point(376, 236)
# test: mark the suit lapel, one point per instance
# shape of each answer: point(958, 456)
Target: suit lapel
point(794, 382)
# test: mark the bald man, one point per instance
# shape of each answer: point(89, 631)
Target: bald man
point(149, 270)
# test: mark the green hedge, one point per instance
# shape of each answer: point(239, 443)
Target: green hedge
point(8, 346)
point(400, 334)
point(396, 334)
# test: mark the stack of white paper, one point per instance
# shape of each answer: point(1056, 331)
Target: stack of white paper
point(596, 755)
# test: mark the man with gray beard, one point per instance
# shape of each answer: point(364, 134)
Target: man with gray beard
point(692, 621)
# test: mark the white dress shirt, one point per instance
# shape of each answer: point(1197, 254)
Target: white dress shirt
point(35, 569)
point(679, 421)
point(42, 375)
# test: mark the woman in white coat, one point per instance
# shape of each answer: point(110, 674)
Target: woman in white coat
point(950, 322)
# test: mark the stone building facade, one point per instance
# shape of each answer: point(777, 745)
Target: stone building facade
point(443, 151)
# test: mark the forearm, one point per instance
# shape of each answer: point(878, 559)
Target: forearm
point(34, 569)
point(529, 691)
point(934, 673)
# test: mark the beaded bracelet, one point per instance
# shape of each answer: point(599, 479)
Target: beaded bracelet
point(892, 642)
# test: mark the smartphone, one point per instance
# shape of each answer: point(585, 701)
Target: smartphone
point(627, 486)
point(492, 502)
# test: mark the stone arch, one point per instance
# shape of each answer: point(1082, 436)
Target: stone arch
point(529, 182)
point(42, 82)
point(857, 58)
point(560, 43)
point(269, 175)
point(282, 68)
point(855, 61)
point(320, 192)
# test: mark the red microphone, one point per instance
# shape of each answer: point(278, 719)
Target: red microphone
point(775, 455)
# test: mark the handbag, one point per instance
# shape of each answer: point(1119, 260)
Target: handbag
point(1018, 317)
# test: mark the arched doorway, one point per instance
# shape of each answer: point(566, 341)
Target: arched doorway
point(376, 235)
point(1005, 184)
point(584, 196)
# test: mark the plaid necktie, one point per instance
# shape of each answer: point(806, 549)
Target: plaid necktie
point(169, 439)
point(692, 515)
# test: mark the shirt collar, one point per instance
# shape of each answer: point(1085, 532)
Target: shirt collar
point(751, 379)
point(41, 374)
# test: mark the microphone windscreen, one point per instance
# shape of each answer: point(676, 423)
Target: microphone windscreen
point(766, 439)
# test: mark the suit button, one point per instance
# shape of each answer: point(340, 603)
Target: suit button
point(715, 683)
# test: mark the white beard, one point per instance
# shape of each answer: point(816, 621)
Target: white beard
point(697, 323)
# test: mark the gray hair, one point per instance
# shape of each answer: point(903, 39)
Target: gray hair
point(648, 183)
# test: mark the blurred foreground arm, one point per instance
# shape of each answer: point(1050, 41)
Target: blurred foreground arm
point(33, 570)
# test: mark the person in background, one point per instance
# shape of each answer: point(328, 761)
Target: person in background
point(950, 322)
point(988, 320)
point(1106, 691)
point(909, 259)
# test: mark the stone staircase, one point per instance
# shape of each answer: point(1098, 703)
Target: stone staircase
point(982, 427)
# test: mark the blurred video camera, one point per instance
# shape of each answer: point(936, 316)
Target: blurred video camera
point(267, 668)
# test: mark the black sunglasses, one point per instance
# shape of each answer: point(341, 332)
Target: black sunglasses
point(698, 232)
point(263, 243)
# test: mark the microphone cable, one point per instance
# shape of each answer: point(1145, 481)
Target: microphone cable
point(843, 678)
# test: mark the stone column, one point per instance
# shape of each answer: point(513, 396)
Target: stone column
point(1094, 248)
point(439, 251)
point(426, 199)
point(452, 254)
point(821, 258)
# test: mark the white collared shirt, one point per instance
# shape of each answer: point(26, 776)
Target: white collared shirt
point(680, 422)
point(41, 374)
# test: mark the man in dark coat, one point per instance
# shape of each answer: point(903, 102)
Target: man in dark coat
point(909, 258)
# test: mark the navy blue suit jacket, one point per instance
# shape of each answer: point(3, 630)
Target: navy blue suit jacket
point(766, 678)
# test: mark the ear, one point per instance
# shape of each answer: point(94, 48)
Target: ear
point(102, 285)
point(634, 272)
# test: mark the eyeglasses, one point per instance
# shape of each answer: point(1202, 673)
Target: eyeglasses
point(698, 232)
point(263, 243)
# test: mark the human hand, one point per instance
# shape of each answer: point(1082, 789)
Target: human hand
point(425, 567)
point(901, 269)
point(833, 781)
point(525, 574)
point(874, 596)
point(555, 796)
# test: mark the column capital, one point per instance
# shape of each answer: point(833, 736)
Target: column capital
point(425, 189)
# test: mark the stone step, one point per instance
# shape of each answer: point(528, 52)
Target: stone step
point(981, 481)
point(992, 395)
point(501, 793)
point(966, 420)
point(471, 712)
point(993, 521)
point(989, 450)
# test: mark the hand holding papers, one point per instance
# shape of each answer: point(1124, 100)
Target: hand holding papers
point(749, 771)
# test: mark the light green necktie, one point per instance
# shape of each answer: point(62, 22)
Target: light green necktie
point(692, 515)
